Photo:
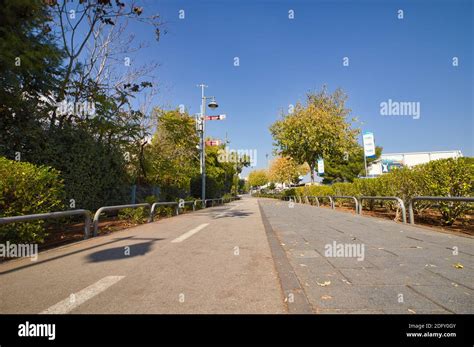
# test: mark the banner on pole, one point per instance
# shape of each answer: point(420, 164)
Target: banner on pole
point(369, 144)
point(320, 167)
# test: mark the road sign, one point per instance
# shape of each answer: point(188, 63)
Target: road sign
point(217, 117)
point(369, 144)
point(213, 143)
point(320, 166)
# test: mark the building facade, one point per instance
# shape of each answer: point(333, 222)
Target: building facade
point(389, 161)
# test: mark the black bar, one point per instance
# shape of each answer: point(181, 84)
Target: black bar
point(262, 329)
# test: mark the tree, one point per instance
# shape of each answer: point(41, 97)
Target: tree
point(30, 69)
point(84, 66)
point(349, 166)
point(258, 178)
point(286, 170)
point(318, 129)
point(172, 156)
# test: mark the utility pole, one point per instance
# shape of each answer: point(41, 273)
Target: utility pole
point(365, 163)
point(203, 144)
point(202, 128)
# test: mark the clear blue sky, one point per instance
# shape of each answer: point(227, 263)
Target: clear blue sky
point(282, 59)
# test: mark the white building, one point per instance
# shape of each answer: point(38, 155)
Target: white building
point(388, 161)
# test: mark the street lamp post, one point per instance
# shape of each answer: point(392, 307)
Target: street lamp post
point(213, 104)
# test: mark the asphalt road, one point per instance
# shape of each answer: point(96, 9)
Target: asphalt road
point(210, 261)
point(249, 256)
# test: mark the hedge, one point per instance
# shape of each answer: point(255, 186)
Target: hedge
point(444, 177)
point(28, 189)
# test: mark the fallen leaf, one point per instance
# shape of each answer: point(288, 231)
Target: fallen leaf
point(458, 266)
point(326, 283)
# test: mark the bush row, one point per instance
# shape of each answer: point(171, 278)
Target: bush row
point(444, 177)
point(27, 189)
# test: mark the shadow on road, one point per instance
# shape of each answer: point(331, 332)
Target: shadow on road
point(70, 253)
point(123, 252)
point(239, 214)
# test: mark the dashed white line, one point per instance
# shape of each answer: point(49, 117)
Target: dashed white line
point(190, 233)
point(82, 296)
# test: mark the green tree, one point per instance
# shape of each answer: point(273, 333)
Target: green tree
point(349, 166)
point(30, 70)
point(258, 178)
point(172, 157)
point(318, 129)
point(286, 170)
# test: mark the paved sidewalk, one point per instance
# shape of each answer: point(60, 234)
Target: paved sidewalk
point(406, 269)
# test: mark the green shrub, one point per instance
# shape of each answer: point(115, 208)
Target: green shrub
point(344, 188)
point(448, 177)
point(93, 171)
point(314, 190)
point(137, 215)
point(444, 177)
point(28, 189)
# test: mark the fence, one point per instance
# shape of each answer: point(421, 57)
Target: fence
point(50, 215)
point(95, 222)
point(400, 203)
point(434, 198)
point(346, 197)
point(113, 208)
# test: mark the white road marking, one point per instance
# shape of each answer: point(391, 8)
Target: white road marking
point(82, 296)
point(190, 233)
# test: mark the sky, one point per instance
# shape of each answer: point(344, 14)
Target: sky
point(281, 59)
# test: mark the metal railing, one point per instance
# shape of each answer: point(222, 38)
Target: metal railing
point(212, 201)
point(434, 198)
point(334, 197)
point(331, 201)
point(163, 203)
point(114, 208)
point(195, 204)
point(316, 199)
point(95, 221)
point(85, 213)
point(186, 203)
point(400, 203)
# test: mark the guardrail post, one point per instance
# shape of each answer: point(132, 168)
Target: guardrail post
point(87, 225)
point(435, 198)
point(400, 203)
point(348, 197)
point(410, 212)
point(332, 202)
